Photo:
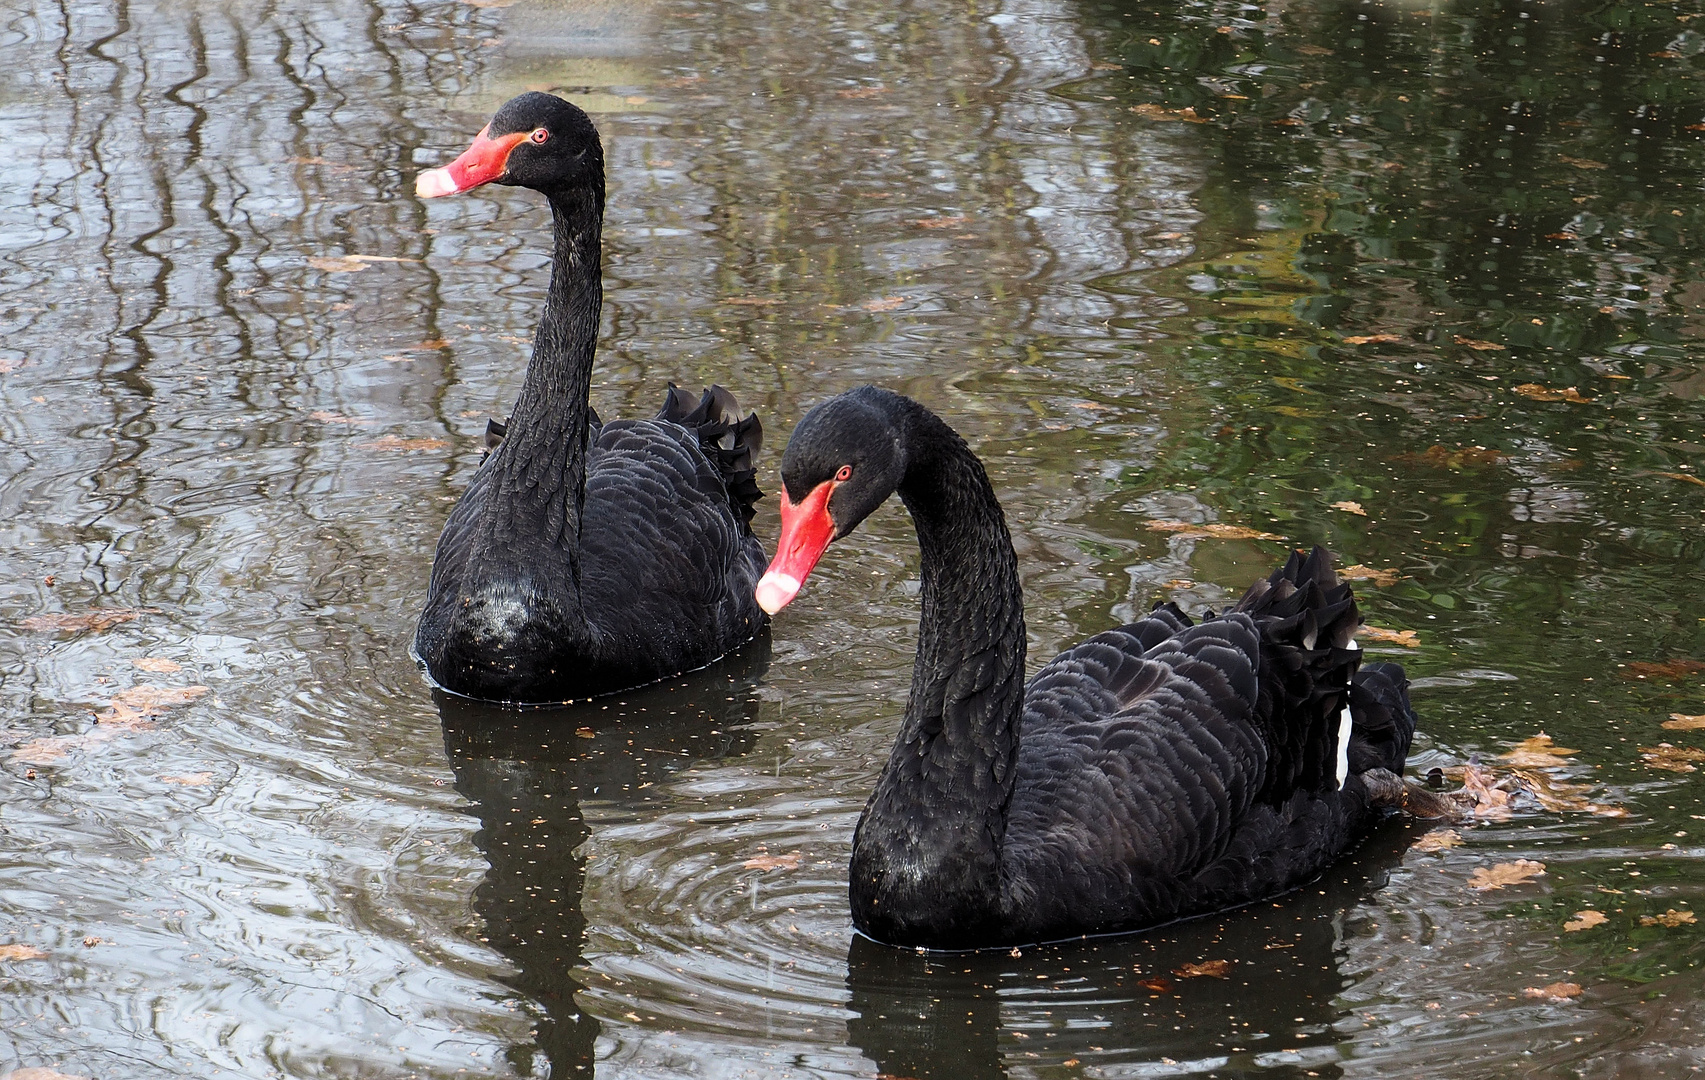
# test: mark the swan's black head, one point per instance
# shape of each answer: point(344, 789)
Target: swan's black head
point(844, 460)
point(535, 140)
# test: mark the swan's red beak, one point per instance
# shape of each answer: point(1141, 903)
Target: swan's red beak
point(479, 164)
point(806, 530)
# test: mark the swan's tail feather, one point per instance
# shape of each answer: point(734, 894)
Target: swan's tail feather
point(730, 442)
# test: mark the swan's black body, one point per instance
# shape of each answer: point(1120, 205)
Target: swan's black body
point(587, 557)
point(1153, 772)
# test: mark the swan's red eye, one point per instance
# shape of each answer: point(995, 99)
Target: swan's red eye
point(844, 473)
point(539, 135)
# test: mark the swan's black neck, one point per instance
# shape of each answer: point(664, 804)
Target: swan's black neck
point(929, 845)
point(541, 464)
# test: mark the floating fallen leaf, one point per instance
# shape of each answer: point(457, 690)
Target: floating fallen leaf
point(1150, 111)
point(886, 303)
point(1671, 758)
point(1214, 529)
point(585, 733)
point(1545, 393)
point(789, 861)
point(1218, 969)
point(1479, 346)
point(856, 92)
point(188, 780)
point(1437, 840)
point(1683, 722)
point(1358, 572)
point(1554, 795)
point(91, 941)
point(395, 442)
point(1671, 918)
point(339, 264)
point(19, 951)
point(1496, 877)
point(1159, 984)
point(1374, 339)
point(153, 700)
point(1557, 991)
point(1350, 508)
point(941, 222)
point(1585, 920)
point(98, 621)
point(1679, 668)
point(1489, 800)
point(1680, 476)
point(752, 301)
point(1537, 752)
point(159, 665)
point(1406, 638)
point(325, 416)
point(1314, 50)
point(1438, 457)
point(1581, 163)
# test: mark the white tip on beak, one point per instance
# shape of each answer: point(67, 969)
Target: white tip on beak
point(775, 590)
point(433, 183)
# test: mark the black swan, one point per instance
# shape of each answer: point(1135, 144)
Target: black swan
point(586, 557)
point(1157, 771)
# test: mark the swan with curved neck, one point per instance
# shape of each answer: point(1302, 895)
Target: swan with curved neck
point(586, 557)
point(1156, 771)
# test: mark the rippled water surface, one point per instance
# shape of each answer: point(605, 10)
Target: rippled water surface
point(1422, 283)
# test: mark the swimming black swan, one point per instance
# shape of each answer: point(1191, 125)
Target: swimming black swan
point(586, 557)
point(1156, 771)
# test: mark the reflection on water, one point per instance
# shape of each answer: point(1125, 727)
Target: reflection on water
point(1422, 283)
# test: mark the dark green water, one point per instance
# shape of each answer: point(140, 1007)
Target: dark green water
point(1163, 265)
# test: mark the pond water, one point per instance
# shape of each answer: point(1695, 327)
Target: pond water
point(1423, 283)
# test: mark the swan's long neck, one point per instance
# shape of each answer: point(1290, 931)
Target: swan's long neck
point(542, 463)
point(929, 845)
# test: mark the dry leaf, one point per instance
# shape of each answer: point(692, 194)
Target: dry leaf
point(751, 301)
point(20, 951)
point(1679, 668)
point(1671, 918)
point(1150, 111)
point(1581, 163)
point(1479, 346)
point(1679, 476)
point(1683, 722)
point(1489, 800)
point(1359, 572)
point(189, 780)
point(1437, 840)
point(1538, 752)
point(98, 621)
point(1671, 758)
point(789, 861)
point(941, 222)
point(585, 733)
point(1557, 796)
point(1585, 920)
point(1557, 991)
point(857, 92)
point(159, 665)
point(340, 264)
point(1496, 877)
point(1214, 529)
point(1158, 984)
point(886, 303)
point(1314, 50)
point(1350, 508)
point(1406, 638)
point(1374, 339)
point(1218, 969)
point(153, 700)
point(1545, 393)
point(394, 442)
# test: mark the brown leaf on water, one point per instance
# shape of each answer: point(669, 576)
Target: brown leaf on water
point(941, 222)
point(1437, 840)
point(1538, 752)
point(1679, 668)
point(1216, 530)
point(1555, 992)
point(1358, 572)
point(585, 733)
point(1350, 508)
point(1671, 758)
point(1546, 393)
point(1671, 918)
point(338, 264)
point(886, 303)
point(1581, 163)
point(1437, 457)
point(751, 301)
point(20, 951)
point(1158, 984)
point(1489, 800)
point(1218, 969)
point(159, 665)
point(1406, 638)
point(1513, 873)
point(154, 700)
point(98, 621)
point(1375, 339)
point(857, 92)
point(1683, 722)
point(1479, 346)
point(1680, 476)
point(395, 442)
point(1151, 111)
point(1314, 50)
point(189, 779)
point(325, 416)
point(1585, 920)
point(789, 861)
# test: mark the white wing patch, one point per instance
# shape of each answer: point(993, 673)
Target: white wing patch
point(1344, 733)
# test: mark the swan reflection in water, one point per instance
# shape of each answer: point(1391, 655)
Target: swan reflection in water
point(1115, 1007)
point(524, 774)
